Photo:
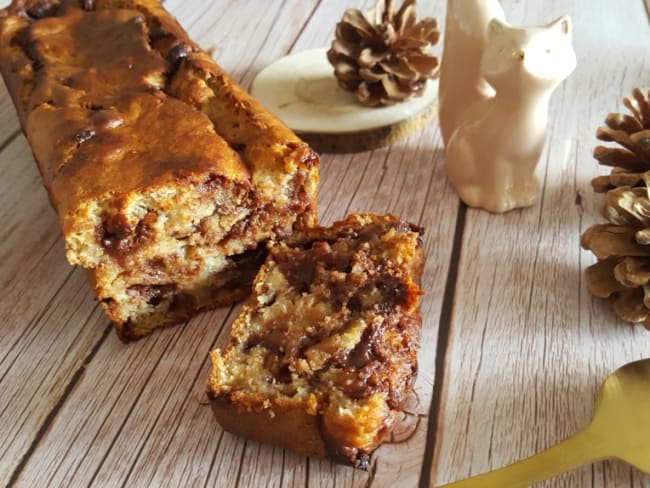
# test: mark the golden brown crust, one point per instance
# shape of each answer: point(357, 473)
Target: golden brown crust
point(328, 341)
point(166, 157)
point(292, 429)
point(162, 170)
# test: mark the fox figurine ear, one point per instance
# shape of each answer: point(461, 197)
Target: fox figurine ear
point(496, 26)
point(563, 24)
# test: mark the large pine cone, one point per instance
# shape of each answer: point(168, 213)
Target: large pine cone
point(622, 273)
point(384, 61)
point(632, 133)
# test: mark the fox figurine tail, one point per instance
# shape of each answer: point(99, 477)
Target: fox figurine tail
point(461, 82)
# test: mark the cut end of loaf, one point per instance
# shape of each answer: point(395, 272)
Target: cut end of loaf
point(159, 255)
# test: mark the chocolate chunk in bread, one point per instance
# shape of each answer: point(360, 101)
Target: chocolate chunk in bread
point(324, 352)
point(167, 177)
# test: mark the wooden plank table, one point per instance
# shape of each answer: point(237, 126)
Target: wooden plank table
point(513, 347)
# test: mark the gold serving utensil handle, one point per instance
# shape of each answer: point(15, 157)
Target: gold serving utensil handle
point(569, 454)
point(620, 429)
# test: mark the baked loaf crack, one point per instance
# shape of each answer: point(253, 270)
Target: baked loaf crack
point(167, 177)
point(324, 352)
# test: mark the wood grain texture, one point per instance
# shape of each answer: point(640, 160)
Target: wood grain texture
point(50, 321)
point(522, 345)
point(528, 346)
point(9, 124)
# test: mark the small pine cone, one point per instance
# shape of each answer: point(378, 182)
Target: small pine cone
point(622, 246)
point(632, 133)
point(386, 60)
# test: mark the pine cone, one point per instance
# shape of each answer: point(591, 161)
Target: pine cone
point(386, 61)
point(622, 273)
point(632, 132)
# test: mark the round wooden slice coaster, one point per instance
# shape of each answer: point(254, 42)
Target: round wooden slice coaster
point(301, 90)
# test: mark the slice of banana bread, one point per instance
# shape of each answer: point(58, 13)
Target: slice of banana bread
point(325, 350)
point(167, 177)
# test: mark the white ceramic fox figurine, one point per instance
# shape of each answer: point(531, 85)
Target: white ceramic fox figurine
point(461, 82)
point(492, 153)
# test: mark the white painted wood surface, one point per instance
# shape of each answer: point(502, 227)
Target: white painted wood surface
point(518, 344)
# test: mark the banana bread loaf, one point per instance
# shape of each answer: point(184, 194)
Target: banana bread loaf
point(167, 177)
point(324, 352)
